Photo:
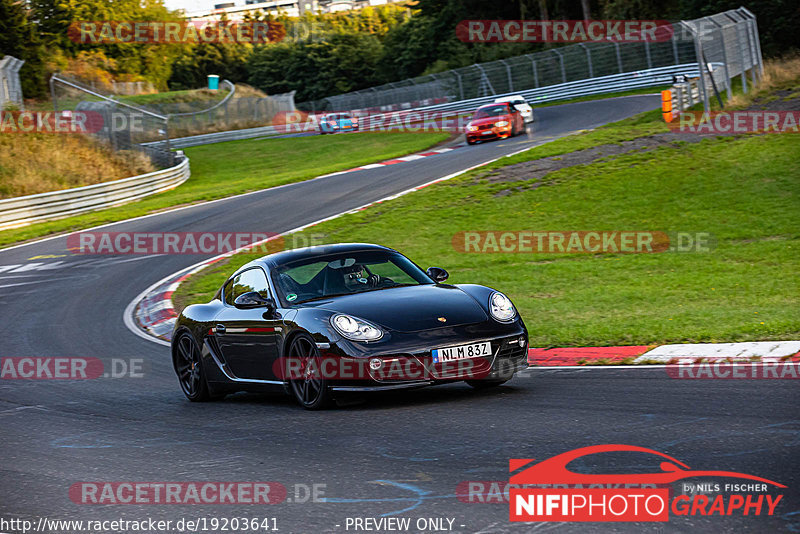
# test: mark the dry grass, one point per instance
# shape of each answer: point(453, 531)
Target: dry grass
point(779, 74)
point(246, 91)
point(37, 163)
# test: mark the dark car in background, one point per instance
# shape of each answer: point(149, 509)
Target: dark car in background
point(345, 318)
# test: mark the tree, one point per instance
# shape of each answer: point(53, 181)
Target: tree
point(19, 38)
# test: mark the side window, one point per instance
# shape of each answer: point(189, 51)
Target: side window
point(228, 292)
point(249, 280)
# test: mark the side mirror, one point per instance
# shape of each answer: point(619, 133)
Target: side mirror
point(438, 274)
point(253, 299)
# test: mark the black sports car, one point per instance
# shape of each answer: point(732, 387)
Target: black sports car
point(345, 317)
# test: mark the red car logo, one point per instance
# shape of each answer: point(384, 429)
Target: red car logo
point(554, 470)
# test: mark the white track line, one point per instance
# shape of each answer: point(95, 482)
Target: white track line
point(127, 315)
point(200, 204)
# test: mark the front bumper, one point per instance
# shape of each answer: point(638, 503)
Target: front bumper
point(415, 367)
point(493, 133)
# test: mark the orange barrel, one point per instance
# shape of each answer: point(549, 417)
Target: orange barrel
point(666, 105)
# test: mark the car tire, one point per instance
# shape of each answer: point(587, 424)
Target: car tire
point(310, 391)
point(189, 368)
point(486, 384)
point(471, 142)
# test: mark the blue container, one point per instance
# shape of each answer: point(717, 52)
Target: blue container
point(213, 82)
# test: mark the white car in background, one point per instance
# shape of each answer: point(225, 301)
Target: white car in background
point(519, 102)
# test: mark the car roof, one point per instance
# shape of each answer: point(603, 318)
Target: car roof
point(493, 104)
point(509, 98)
point(279, 258)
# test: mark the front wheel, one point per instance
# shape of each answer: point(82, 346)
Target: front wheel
point(310, 388)
point(189, 367)
point(485, 384)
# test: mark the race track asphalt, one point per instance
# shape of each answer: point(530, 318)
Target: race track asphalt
point(398, 454)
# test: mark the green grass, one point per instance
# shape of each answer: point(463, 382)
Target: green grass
point(224, 169)
point(744, 191)
point(172, 97)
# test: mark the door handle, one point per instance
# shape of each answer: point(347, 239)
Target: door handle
point(220, 329)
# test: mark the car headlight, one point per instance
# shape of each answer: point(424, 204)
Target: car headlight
point(501, 123)
point(472, 128)
point(355, 329)
point(501, 308)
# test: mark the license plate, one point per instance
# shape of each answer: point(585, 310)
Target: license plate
point(489, 132)
point(462, 352)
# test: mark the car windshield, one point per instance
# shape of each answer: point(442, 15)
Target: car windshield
point(344, 274)
point(491, 111)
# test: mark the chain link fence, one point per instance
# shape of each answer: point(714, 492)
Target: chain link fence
point(726, 47)
point(149, 128)
point(10, 88)
point(120, 125)
point(730, 38)
point(233, 112)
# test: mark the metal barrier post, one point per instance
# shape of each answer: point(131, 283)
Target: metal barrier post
point(698, 50)
point(721, 32)
point(756, 40)
point(563, 70)
point(588, 59)
point(619, 57)
point(742, 53)
point(535, 71)
point(508, 71)
point(675, 48)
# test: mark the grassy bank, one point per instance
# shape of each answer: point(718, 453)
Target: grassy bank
point(743, 191)
point(70, 161)
point(224, 169)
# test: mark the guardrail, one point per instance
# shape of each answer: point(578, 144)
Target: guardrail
point(218, 137)
point(613, 83)
point(680, 97)
point(565, 91)
point(21, 211)
point(683, 95)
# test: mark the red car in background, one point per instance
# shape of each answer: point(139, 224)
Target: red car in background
point(495, 121)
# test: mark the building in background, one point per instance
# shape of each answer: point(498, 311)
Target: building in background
point(291, 8)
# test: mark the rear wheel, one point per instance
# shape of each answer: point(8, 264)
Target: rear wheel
point(189, 367)
point(310, 390)
point(485, 384)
